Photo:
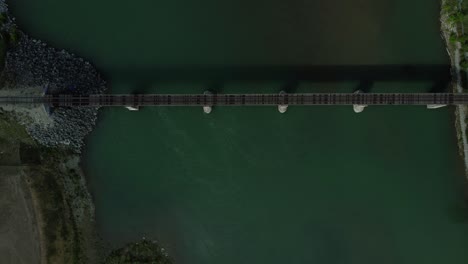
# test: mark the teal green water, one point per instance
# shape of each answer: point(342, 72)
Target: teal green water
point(248, 185)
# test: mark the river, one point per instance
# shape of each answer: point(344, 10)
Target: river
point(249, 185)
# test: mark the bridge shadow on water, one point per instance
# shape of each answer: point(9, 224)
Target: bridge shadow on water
point(217, 76)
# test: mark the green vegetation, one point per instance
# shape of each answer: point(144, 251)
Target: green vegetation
point(458, 20)
point(456, 16)
point(447, 7)
point(12, 131)
point(464, 64)
point(140, 252)
point(462, 39)
point(60, 232)
point(12, 36)
point(3, 18)
point(12, 136)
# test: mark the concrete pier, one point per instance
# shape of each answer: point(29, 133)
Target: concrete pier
point(207, 108)
point(282, 108)
point(358, 108)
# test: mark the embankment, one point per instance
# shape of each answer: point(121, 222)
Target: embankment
point(44, 149)
point(452, 30)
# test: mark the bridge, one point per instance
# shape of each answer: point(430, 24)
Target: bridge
point(207, 100)
point(291, 76)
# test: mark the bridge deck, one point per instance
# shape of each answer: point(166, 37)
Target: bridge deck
point(242, 99)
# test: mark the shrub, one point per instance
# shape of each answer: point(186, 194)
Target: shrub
point(462, 39)
point(3, 18)
point(13, 36)
point(464, 64)
point(456, 17)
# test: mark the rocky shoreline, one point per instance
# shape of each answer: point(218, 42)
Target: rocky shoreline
point(32, 63)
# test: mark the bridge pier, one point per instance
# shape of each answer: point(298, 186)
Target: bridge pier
point(282, 108)
point(358, 108)
point(207, 108)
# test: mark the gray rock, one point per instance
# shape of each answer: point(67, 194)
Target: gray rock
point(34, 63)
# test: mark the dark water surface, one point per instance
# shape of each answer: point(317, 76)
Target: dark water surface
point(248, 185)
